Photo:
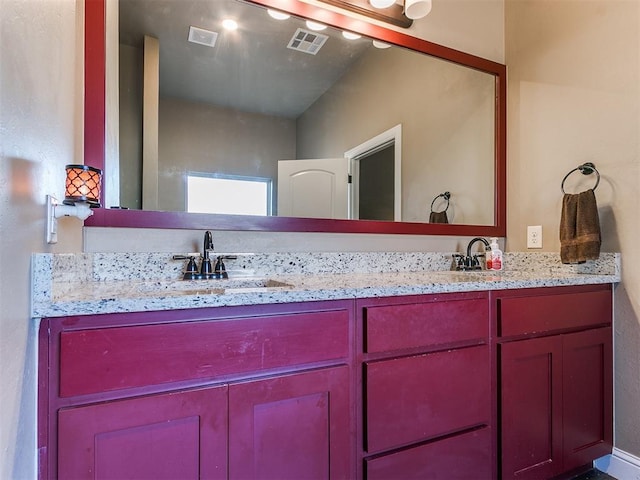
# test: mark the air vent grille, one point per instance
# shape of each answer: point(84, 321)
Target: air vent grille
point(202, 36)
point(307, 42)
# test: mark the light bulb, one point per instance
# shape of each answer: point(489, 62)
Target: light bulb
point(351, 35)
point(415, 9)
point(315, 26)
point(230, 24)
point(381, 3)
point(379, 44)
point(277, 14)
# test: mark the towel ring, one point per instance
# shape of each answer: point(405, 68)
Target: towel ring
point(586, 169)
point(446, 196)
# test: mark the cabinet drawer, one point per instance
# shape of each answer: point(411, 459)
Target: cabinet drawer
point(532, 314)
point(465, 456)
point(106, 359)
point(394, 327)
point(420, 397)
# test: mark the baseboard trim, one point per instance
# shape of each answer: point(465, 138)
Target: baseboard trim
point(619, 464)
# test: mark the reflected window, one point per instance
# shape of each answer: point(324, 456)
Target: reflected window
point(228, 194)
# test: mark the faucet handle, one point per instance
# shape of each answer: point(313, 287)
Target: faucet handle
point(459, 261)
point(191, 272)
point(220, 271)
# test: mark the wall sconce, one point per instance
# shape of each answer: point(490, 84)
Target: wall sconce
point(82, 193)
point(396, 12)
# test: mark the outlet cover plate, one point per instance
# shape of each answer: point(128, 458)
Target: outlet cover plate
point(534, 236)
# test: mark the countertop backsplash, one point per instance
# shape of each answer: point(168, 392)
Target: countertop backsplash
point(85, 283)
point(116, 267)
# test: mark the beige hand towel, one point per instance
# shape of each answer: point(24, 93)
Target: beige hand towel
point(579, 228)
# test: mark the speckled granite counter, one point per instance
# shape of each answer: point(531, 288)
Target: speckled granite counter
point(82, 284)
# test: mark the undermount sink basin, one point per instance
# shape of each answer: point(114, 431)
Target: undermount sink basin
point(244, 283)
point(213, 287)
point(471, 274)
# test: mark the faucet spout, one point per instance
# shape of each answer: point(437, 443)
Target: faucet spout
point(206, 269)
point(473, 241)
point(208, 243)
point(469, 261)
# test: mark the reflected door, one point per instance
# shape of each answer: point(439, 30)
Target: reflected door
point(317, 188)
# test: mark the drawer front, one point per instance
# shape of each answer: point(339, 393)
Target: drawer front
point(420, 397)
point(394, 327)
point(107, 359)
point(533, 314)
point(465, 456)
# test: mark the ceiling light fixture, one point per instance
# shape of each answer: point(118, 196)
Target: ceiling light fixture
point(381, 45)
point(401, 13)
point(229, 24)
point(381, 3)
point(415, 9)
point(278, 15)
point(351, 35)
point(315, 26)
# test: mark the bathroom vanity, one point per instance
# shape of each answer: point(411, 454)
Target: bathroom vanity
point(480, 376)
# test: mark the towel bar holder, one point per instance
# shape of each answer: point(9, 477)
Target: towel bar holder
point(586, 169)
point(446, 196)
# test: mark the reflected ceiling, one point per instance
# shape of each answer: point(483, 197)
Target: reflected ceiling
point(199, 73)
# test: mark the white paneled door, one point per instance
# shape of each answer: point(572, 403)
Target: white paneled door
point(316, 188)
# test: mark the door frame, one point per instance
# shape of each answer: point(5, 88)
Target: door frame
point(361, 151)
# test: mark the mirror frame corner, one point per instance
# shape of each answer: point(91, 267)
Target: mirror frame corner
point(95, 123)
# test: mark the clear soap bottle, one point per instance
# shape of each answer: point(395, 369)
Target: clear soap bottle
point(496, 255)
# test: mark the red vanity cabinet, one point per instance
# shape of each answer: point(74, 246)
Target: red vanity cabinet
point(234, 392)
point(425, 375)
point(476, 385)
point(555, 360)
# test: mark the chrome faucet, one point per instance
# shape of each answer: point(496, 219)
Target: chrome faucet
point(469, 261)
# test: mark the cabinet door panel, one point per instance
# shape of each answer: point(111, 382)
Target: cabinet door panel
point(461, 457)
point(168, 436)
point(531, 408)
point(587, 396)
point(291, 427)
point(415, 398)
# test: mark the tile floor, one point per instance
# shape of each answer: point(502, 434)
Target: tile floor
point(594, 474)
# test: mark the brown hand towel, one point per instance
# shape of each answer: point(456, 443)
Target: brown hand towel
point(438, 217)
point(579, 228)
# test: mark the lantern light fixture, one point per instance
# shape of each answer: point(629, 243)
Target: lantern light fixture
point(82, 193)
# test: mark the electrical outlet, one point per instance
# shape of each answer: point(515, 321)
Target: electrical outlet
point(534, 236)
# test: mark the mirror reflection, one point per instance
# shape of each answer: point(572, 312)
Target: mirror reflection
point(274, 118)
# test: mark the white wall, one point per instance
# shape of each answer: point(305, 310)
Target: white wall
point(574, 96)
point(39, 117)
point(41, 125)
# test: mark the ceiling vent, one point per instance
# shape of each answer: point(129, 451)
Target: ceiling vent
point(202, 36)
point(306, 41)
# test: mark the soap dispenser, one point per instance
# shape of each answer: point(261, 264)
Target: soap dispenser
point(496, 255)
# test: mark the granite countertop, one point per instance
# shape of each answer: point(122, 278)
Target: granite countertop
point(83, 284)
